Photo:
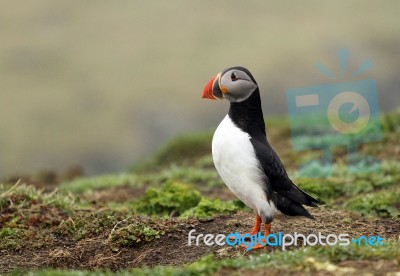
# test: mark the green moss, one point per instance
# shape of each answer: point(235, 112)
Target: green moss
point(180, 150)
point(391, 169)
point(391, 121)
point(27, 213)
point(135, 230)
point(84, 184)
point(205, 162)
point(202, 178)
point(11, 237)
point(211, 207)
point(325, 190)
point(179, 199)
point(357, 186)
point(84, 225)
point(384, 203)
point(171, 198)
point(343, 184)
point(368, 194)
point(6, 232)
point(21, 196)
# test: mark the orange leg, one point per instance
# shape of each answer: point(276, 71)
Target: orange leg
point(267, 228)
point(267, 231)
point(256, 227)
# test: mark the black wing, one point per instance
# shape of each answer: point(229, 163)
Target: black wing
point(278, 180)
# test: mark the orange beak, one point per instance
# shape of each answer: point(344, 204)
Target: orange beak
point(212, 90)
point(207, 92)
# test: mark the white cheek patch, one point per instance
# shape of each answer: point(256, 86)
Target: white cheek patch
point(243, 90)
point(239, 89)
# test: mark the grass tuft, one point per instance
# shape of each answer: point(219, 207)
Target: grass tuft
point(172, 198)
point(27, 212)
point(385, 203)
point(211, 207)
point(135, 230)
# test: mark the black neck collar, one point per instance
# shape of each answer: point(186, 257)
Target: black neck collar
point(248, 116)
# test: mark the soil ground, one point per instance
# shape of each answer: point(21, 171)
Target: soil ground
point(97, 252)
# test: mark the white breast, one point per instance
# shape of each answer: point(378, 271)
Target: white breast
point(235, 160)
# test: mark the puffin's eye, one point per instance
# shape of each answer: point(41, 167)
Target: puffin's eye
point(233, 77)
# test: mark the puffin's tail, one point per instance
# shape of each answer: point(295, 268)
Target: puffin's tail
point(311, 201)
point(293, 208)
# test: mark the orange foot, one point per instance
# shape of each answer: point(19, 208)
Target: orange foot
point(257, 246)
point(267, 231)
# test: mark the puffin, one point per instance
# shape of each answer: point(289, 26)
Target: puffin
point(244, 158)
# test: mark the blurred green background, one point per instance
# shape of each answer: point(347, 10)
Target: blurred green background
point(103, 83)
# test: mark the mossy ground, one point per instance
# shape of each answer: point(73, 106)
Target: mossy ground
point(137, 222)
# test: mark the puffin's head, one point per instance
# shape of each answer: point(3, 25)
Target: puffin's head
point(235, 84)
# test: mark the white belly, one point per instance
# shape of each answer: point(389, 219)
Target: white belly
point(236, 163)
